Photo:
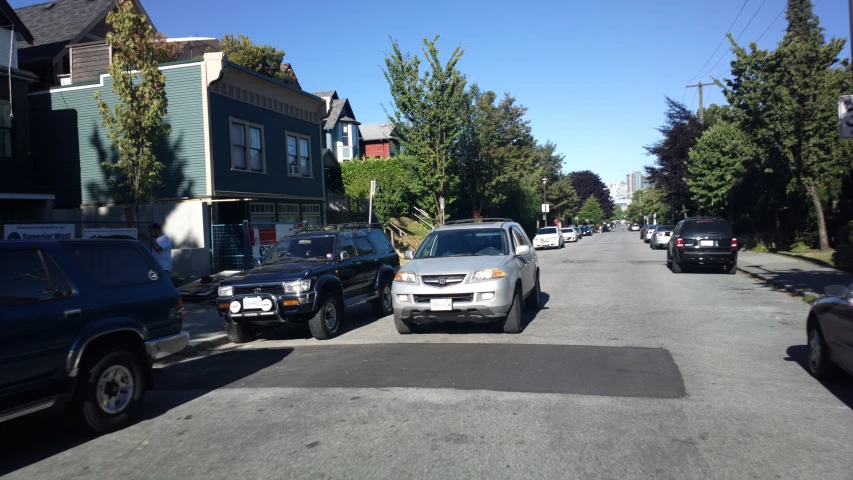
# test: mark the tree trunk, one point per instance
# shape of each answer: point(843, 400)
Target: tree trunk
point(821, 222)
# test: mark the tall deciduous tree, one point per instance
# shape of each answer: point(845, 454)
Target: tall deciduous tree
point(786, 100)
point(681, 130)
point(717, 165)
point(265, 59)
point(591, 211)
point(136, 120)
point(588, 184)
point(428, 111)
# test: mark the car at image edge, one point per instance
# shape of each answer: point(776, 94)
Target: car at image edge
point(829, 338)
point(477, 270)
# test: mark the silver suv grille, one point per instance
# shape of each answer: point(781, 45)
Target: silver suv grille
point(442, 280)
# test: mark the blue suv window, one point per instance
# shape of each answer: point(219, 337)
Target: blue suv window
point(111, 264)
point(24, 278)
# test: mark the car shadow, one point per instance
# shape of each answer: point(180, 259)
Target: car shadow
point(840, 385)
point(356, 317)
point(33, 438)
point(468, 328)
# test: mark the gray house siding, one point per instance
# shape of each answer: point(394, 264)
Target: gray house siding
point(275, 181)
point(67, 133)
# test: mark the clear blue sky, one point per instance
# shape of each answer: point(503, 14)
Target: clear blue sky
point(593, 74)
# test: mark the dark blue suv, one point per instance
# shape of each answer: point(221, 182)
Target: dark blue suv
point(82, 323)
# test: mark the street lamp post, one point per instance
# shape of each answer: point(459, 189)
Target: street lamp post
point(544, 201)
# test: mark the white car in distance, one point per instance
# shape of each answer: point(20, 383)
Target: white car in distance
point(548, 237)
point(569, 234)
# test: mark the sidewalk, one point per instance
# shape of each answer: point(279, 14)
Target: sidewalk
point(796, 276)
point(205, 326)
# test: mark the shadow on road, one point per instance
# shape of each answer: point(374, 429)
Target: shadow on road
point(357, 317)
point(467, 328)
point(841, 386)
point(33, 438)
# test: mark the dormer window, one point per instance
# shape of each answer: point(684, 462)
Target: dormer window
point(345, 134)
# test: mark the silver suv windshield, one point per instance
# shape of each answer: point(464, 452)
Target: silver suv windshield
point(464, 243)
point(300, 248)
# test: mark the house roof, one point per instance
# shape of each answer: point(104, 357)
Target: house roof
point(270, 79)
point(22, 30)
point(348, 119)
point(377, 131)
point(326, 93)
point(54, 24)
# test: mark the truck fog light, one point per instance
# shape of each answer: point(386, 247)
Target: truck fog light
point(402, 298)
point(487, 295)
point(235, 306)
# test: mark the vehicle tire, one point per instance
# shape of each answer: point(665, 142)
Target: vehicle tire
point(512, 322)
point(674, 266)
point(668, 260)
point(534, 300)
point(732, 269)
point(111, 390)
point(240, 333)
point(817, 354)
point(403, 327)
point(326, 323)
point(383, 306)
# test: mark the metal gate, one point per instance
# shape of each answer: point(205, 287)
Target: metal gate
point(230, 247)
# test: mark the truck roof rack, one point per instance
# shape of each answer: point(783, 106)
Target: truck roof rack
point(477, 220)
point(339, 227)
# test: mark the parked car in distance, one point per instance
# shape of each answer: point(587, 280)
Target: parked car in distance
point(829, 334)
point(82, 323)
point(635, 227)
point(702, 241)
point(313, 276)
point(660, 236)
point(586, 230)
point(477, 270)
point(569, 234)
point(548, 237)
point(649, 231)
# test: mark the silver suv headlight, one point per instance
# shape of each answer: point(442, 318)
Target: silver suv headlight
point(486, 274)
point(406, 277)
point(226, 291)
point(297, 286)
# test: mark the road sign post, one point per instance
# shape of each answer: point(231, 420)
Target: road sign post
point(370, 208)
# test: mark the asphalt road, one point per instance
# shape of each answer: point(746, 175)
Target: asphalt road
point(628, 372)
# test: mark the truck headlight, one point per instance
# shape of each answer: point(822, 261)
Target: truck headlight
point(487, 274)
point(406, 277)
point(226, 291)
point(297, 286)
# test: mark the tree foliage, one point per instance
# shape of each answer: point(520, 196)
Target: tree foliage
point(164, 50)
point(428, 111)
point(618, 213)
point(717, 166)
point(588, 184)
point(591, 211)
point(393, 183)
point(265, 59)
point(136, 120)
point(649, 203)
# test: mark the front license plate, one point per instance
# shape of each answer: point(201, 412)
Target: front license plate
point(252, 302)
point(706, 243)
point(441, 304)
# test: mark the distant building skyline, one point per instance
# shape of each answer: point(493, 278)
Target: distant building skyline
point(636, 181)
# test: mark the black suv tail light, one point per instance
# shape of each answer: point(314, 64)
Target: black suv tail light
point(734, 242)
point(679, 243)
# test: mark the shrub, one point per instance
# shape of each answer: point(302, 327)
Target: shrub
point(800, 247)
point(760, 247)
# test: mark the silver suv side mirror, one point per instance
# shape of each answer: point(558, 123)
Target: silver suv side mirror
point(835, 290)
point(522, 250)
point(344, 255)
point(408, 254)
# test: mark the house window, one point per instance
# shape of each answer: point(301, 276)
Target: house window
point(247, 152)
point(5, 129)
point(262, 212)
point(345, 134)
point(288, 212)
point(298, 156)
point(311, 214)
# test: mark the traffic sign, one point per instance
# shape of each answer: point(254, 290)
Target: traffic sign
point(845, 116)
point(546, 208)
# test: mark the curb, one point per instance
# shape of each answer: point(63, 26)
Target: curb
point(791, 290)
point(208, 343)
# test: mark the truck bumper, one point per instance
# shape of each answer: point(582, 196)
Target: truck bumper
point(162, 347)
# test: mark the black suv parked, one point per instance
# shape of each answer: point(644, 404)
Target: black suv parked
point(312, 276)
point(81, 323)
point(702, 241)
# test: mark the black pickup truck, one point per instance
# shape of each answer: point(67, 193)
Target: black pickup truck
point(81, 322)
point(312, 276)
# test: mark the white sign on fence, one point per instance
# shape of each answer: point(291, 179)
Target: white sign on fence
point(546, 208)
point(845, 116)
point(108, 232)
point(33, 231)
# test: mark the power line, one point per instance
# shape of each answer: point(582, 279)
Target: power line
point(721, 42)
point(750, 20)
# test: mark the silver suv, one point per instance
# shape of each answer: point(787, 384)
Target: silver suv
point(475, 270)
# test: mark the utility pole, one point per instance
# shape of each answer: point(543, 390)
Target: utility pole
point(850, 40)
point(699, 86)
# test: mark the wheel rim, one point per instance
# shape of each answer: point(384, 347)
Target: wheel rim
point(330, 315)
point(815, 350)
point(386, 297)
point(115, 389)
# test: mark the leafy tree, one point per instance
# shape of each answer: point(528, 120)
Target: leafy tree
point(717, 165)
point(164, 50)
point(588, 184)
point(681, 130)
point(649, 203)
point(563, 198)
point(591, 211)
point(265, 59)
point(428, 111)
point(136, 120)
point(618, 214)
point(785, 100)
point(392, 183)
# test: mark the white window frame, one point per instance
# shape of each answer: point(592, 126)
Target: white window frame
point(345, 140)
point(298, 154)
point(247, 147)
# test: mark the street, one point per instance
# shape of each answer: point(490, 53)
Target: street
point(629, 371)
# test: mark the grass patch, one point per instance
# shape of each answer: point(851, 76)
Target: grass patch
point(760, 247)
point(810, 299)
